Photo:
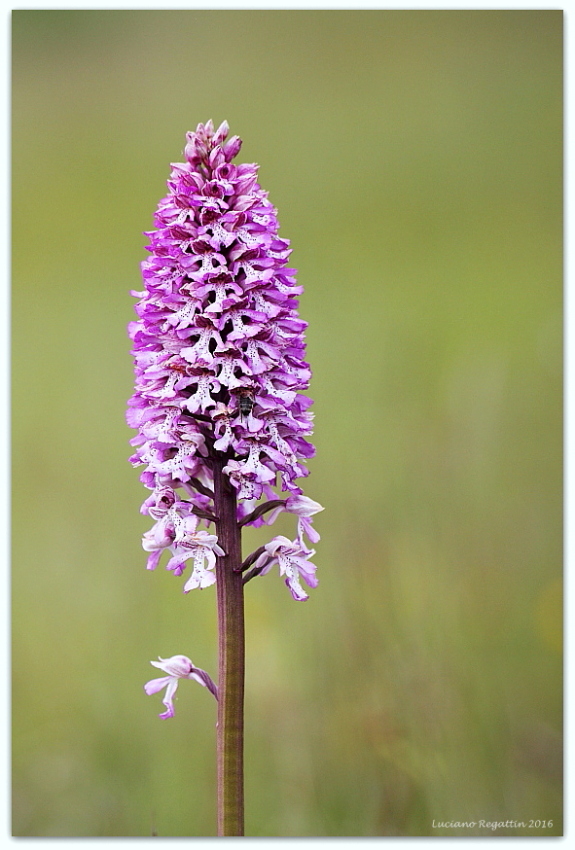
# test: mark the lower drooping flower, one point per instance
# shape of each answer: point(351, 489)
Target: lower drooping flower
point(177, 667)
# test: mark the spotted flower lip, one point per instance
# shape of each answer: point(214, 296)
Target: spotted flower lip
point(293, 561)
point(180, 536)
point(177, 667)
point(219, 350)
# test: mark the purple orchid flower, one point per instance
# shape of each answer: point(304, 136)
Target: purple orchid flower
point(177, 667)
point(293, 561)
point(219, 360)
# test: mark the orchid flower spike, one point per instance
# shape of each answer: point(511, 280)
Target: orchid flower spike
point(219, 359)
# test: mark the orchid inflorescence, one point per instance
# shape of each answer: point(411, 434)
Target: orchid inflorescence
point(219, 361)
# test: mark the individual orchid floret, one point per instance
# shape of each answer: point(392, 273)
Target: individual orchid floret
point(177, 667)
point(293, 561)
point(304, 508)
point(179, 536)
point(159, 538)
point(203, 547)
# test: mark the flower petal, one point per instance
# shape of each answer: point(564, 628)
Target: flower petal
point(199, 578)
point(168, 699)
point(302, 506)
point(177, 665)
point(155, 685)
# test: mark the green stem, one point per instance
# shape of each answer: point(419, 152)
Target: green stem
point(230, 729)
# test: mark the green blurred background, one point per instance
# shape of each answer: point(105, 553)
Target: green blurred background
point(416, 161)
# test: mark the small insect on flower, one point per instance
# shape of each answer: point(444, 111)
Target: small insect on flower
point(246, 401)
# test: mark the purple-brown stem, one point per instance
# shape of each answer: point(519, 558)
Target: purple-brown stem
point(229, 587)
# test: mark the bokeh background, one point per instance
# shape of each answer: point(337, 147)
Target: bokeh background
point(415, 158)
